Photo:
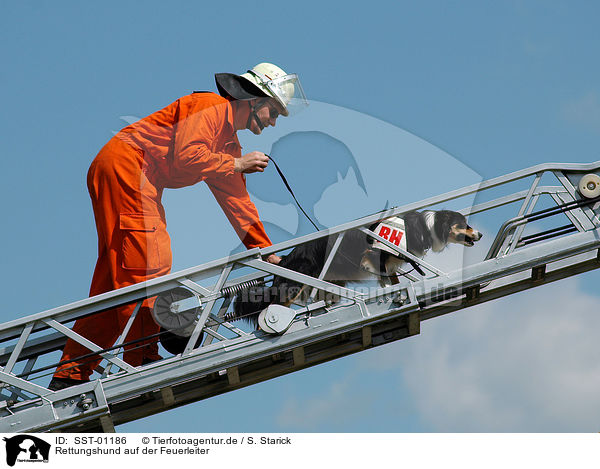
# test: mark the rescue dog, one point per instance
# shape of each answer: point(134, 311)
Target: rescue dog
point(359, 257)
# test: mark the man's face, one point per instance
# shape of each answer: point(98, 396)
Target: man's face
point(267, 112)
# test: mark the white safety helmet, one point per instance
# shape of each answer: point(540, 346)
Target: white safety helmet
point(274, 82)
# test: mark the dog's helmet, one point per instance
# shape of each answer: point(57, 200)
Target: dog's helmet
point(264, 80)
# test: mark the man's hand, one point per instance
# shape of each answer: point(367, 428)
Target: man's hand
point(253, 162)
point(273, 259)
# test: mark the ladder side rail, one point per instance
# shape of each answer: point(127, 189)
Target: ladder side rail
point(157, 285)
point(490, 183)
point(152, 383)
point(200, 389)
point(528, 195)
point(252, 259)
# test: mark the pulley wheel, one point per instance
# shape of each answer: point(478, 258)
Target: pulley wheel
point(589, 186)
point(168, 319)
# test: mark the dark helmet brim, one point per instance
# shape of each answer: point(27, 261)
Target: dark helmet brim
point(236, 87)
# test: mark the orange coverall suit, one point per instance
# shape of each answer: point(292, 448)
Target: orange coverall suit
point(191, 140)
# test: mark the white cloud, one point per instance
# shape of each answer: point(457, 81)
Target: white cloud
point(335, 406)
point(529, 362)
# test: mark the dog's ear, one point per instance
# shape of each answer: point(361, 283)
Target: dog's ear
point(418, 238)
point(444, 220)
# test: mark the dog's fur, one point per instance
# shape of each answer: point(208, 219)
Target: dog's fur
point(356, 260)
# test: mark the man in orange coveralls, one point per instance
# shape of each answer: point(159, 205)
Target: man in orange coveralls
point(193, 139)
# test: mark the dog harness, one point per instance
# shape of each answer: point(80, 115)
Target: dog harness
point(394, 231)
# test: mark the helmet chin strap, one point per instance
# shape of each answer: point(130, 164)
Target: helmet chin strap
point(254, 116)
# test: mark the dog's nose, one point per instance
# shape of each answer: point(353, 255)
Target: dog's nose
point(478, 235)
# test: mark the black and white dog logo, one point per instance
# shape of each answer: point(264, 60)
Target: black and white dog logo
point(26, 448)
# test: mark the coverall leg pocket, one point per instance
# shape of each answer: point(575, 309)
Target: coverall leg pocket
point(146, 244)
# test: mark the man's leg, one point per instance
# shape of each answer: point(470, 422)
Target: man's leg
point(133, 246)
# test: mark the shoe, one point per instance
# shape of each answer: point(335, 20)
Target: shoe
point(62, 383)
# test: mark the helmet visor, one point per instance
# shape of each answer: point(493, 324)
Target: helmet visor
point(288, 92)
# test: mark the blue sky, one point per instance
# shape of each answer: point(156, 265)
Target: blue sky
point(484, 88)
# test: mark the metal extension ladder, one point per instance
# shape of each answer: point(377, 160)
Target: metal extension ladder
point(229, 357)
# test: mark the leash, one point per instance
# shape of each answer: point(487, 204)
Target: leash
point(291, 191)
